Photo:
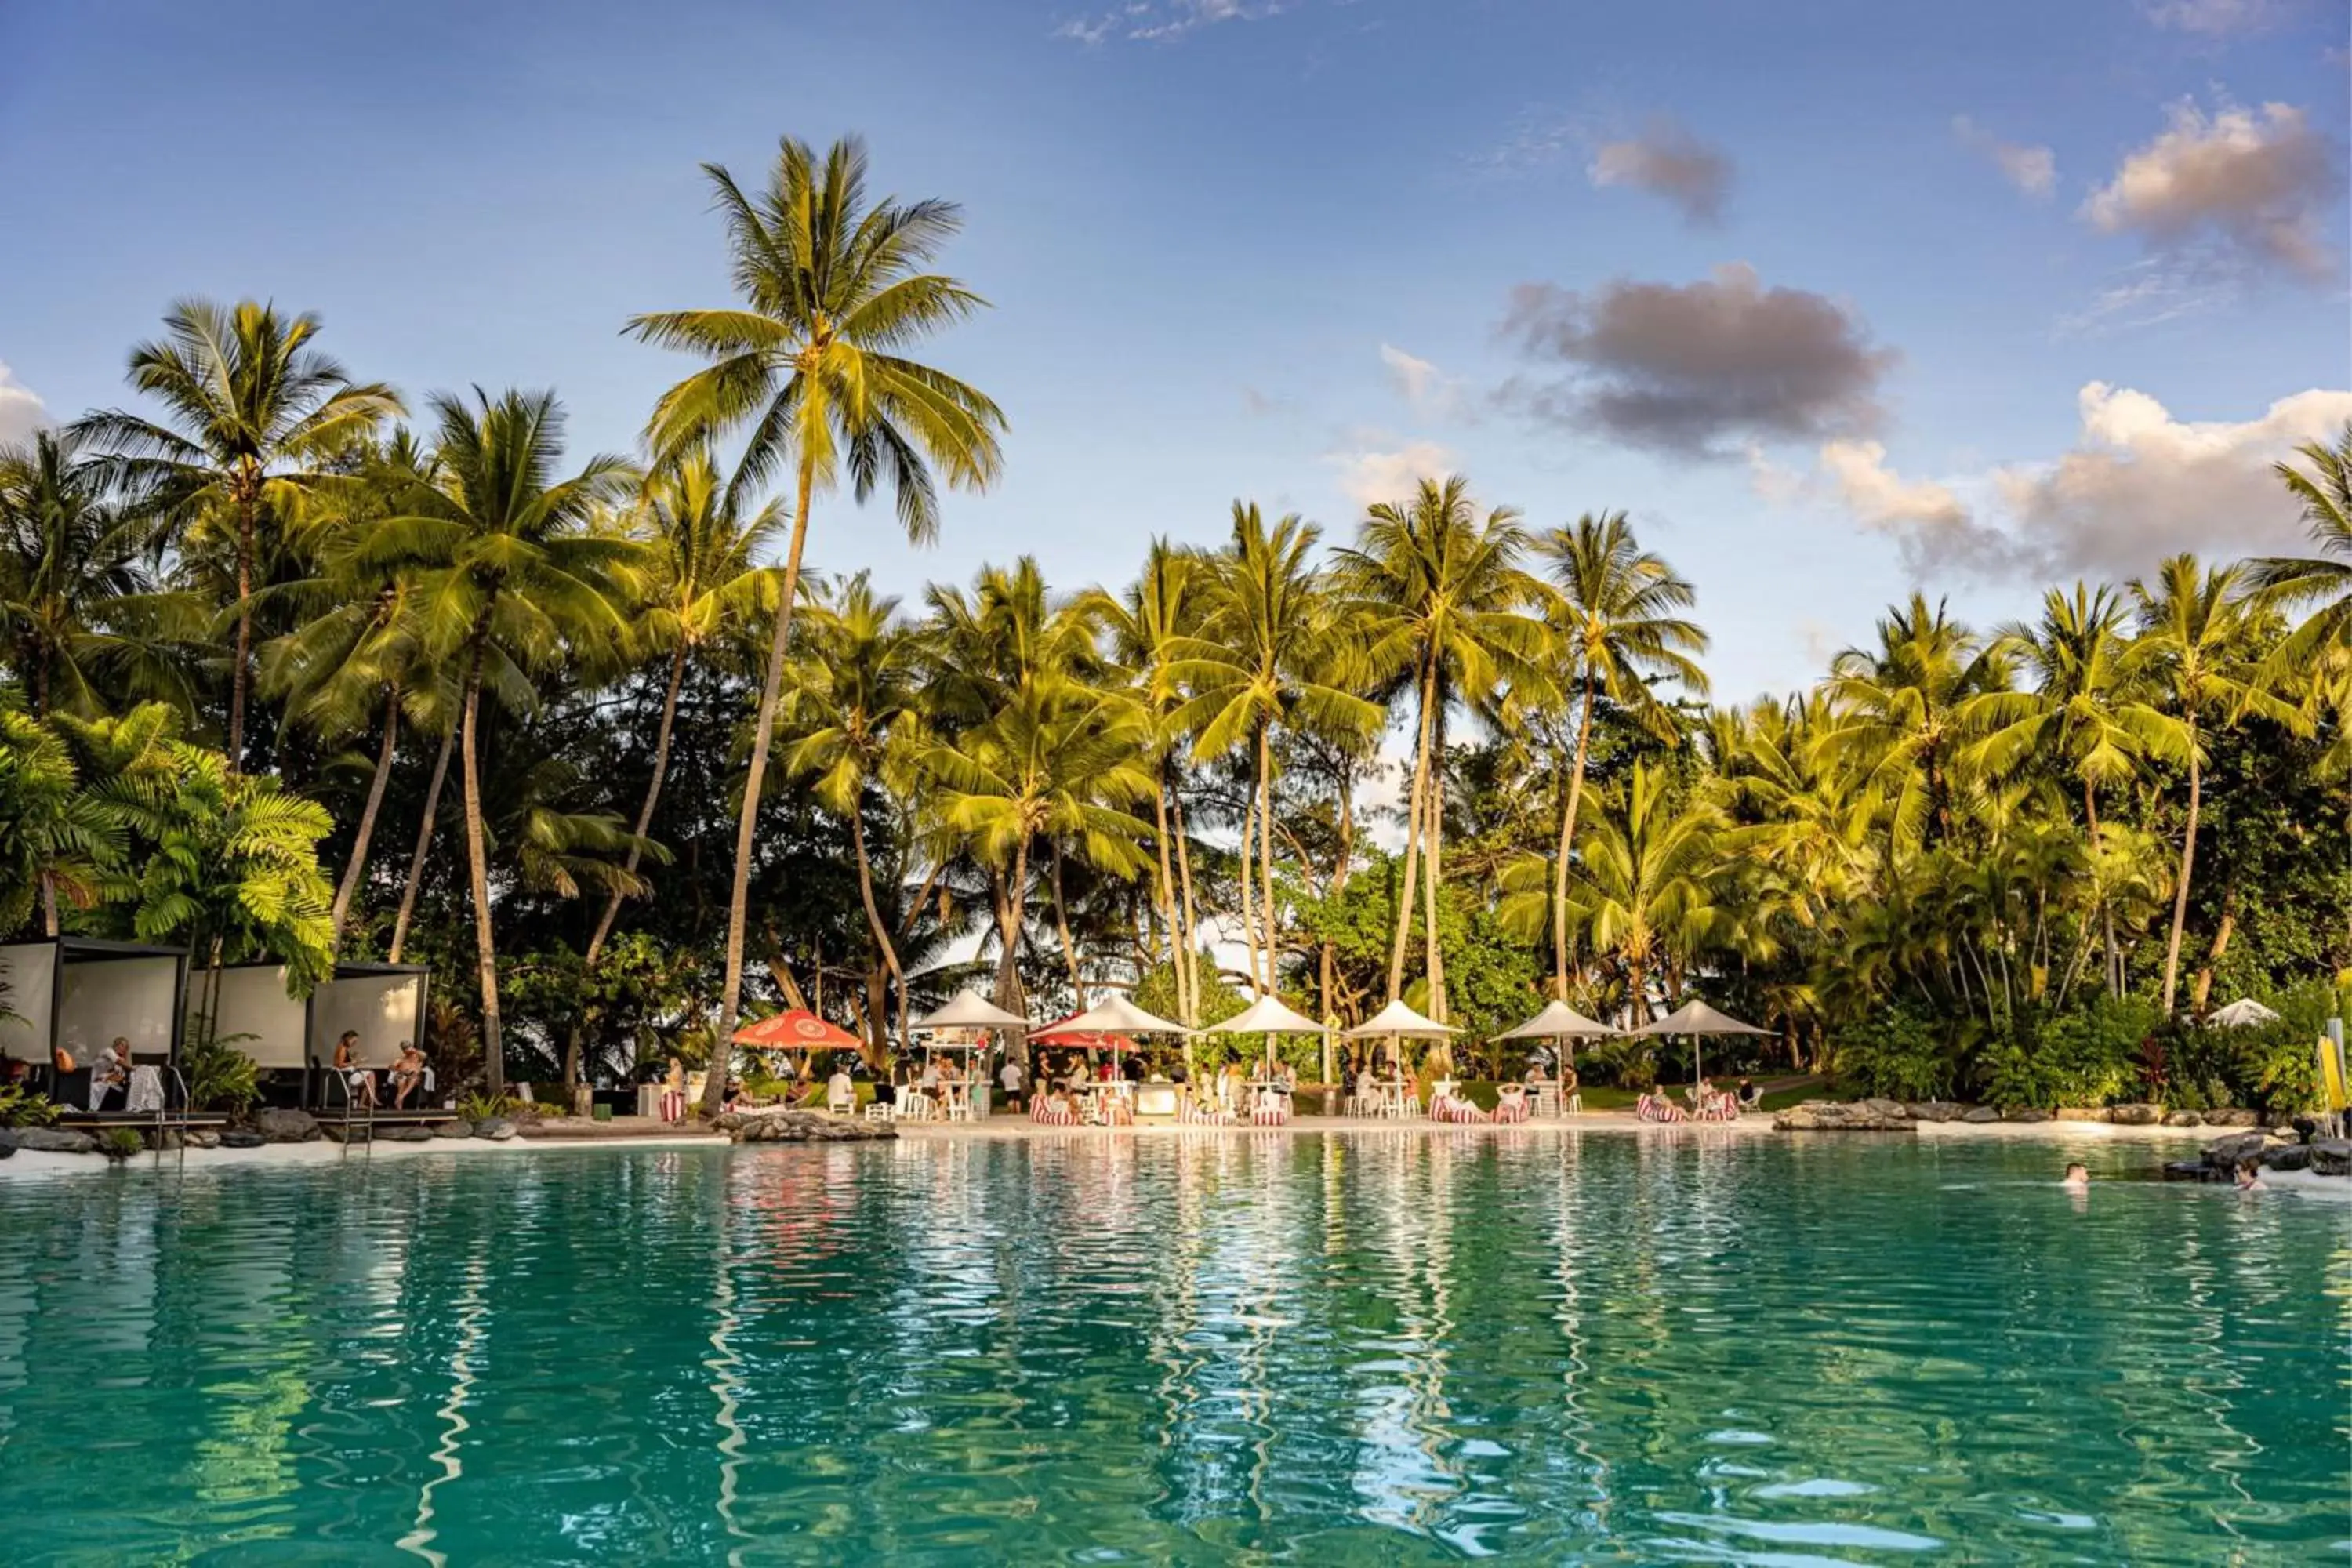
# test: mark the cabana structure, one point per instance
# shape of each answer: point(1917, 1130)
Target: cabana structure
point(1115, 1017)
point(1558, 1021)
point(84, 994)
point(292, 1040)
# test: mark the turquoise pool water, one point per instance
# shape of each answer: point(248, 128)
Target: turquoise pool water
point(1375, 1348)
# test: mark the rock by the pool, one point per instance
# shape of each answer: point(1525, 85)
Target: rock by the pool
point(2187, 1170)
point(277, 1126)
point(2085, 1113)
point(497, 1128)
point(1936, 1110)
point(2224, 1153)
point(800, 1126)
point(1979, 1114)
point(242, 1138)
point(2287, 1157)
point(453, 1130)
point(56, 1140)
point(2183, 1119)
point(2139, 1115)
point(405, 1132)
point(2025, 1113)
point(8, 1142)
point(1836, 1116)
point(2331, 1156)
point(2231, 1116)
point(203, 1138)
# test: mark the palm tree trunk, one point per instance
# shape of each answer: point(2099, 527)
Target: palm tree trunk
point(1265, 849)
point(247, 502)
point(358, 867)
point(873, 911)
point(1062, 926)
point(424, 843)
point(1167, 894)
point(763, 731)
point(1567, 842)
point(1191, 927)
point(2180, 892)
point(1431, 875)
point(50, 902)
point(1412, 834)
point(1011, 914)
point(477, 868)
point(1249, 881)
point(652, 794)
point(2202, 990)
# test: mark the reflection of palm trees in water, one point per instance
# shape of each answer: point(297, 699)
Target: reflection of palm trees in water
point(472, 1309)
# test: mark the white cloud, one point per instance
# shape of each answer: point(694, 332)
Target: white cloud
point(1667, 161)
point(2031, 169)
point(2242, 184)
point(1372, 473)
point(2212, 18)
point(21, 409)
point(2137, 486)
point(2150, 291)
point(1153, 21)
point(1430, 390)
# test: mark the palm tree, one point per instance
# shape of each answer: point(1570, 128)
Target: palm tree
point(1900, 712)
point(1266, 655)
point(857, 683)
point(1441, 601)
point(251, 410)
point(831, 292)
point(509, 579)
point(55, 837)
point(2193, 630)
point(705, 580)
point(1612, 607)
point(1644, 873)
point(77, 610)
point(2323, 579)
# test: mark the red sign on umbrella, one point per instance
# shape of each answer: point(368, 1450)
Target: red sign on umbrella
point(796, 1029)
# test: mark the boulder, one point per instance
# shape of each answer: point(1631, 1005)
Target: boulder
point(2288, 1156)
point(1833, 1116)
point(453, 1130)
point(800, 1126)
point(2231, 1117)
point(405, 1132)
point(2223, 1154)
point(2138, 1115)
point(2025, 1113)
point(8, 1142)
point(497, 1128)
point(286, 1126)
point(2332, 1156)
point(2188, 1171)
point(56, 1140)
point(2183, 1119)
point(337, 1132)
point(1980, 1114)
point(1936, 1110)
point(242, 1138)
point(2083, 1113)
point(203, 1138)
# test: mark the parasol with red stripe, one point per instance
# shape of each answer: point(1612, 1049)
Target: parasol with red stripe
point(796, 1029)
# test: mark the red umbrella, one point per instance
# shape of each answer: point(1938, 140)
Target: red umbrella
point(1081, 1039)
point(796, 1029)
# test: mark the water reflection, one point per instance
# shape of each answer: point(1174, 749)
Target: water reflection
point(1387, 1346)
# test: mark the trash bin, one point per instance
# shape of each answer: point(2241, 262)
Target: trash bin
point(603, 1113)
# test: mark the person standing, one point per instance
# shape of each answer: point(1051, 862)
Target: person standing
point(1009, 1075)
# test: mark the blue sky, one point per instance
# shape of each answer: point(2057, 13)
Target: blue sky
point(1813, 289)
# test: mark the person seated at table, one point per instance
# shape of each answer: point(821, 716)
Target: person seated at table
point(1536, 1072)
point(1288, 1075)
point(840, 1091)
point(357, 1079)
point(407, 1073)
point(109, 1079)
point(1750, 1097)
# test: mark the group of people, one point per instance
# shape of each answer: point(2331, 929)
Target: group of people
point(407, 1072)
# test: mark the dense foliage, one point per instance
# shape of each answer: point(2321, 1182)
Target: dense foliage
point(557, 728)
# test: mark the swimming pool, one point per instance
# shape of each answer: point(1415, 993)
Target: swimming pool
point(1377, 1347)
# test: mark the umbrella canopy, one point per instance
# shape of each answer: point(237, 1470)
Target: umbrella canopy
point(1062, 1033)
point(1696, 1018)
point(1558, 1021)
point(1266, 1016)
point(1116, 1015)
point(796, 1029)
point(969, 1010)
point(1396, 1018)
point(2243, 1013)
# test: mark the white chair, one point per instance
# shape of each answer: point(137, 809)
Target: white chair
point(879, 1110)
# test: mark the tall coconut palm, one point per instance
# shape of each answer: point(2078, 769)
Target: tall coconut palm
point(510, 578)
point(704, 579)
point(1442, 602)
point(2322, 581)
point(857, 685)
point(2193, 632)
point(1613, 611)
point(77, 612)
point(1645, 866)
point(1900, 712)
point(810, 362)
point(251, 409)
point(1266, 655)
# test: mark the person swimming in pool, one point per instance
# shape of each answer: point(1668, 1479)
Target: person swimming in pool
point(2250, 1176)
point(2078, 1179)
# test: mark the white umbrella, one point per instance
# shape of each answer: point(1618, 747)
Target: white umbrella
point(1396, 1018)
point(1269, 1016)
point(2243, 1013)
point(1696, 1018)
point(1558, 1021)
point(969, 1010)
point(1118, 1015)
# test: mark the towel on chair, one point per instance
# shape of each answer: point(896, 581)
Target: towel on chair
point(146, 1092)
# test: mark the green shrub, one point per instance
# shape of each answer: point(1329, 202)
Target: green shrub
point(20, 1107)
point(2092, 1055)
point(220, 1077)
point(478, 1107)
point(121, 1143)
point(1899, 1052)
